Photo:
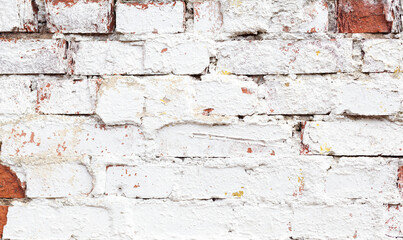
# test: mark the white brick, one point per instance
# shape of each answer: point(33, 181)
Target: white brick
point(79, 16)
point(153, 17)
point(376, 94)
point(16, 96)
point(180, 221)
point(337, 222)
point(56, 138)
point(186, 57)
point(57, 180)
point(223, 141)
point(110, 57)
point(363, 178)
point(168, 100)
point(383, 55)
point(208, 183)
point(225, 95)
point(161, 100)
point(18, 16)
point(281, 57)
point(393, 218)
point(300, 95)
point(140, 182)
point(32, 56)
point(66, 96)
point(34, 221)
point(274, 16)
point(121, 100)
point(207, 16)
point(287, 179)
point(365, 137)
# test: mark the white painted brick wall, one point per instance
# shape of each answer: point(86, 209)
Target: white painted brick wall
point(201, 119)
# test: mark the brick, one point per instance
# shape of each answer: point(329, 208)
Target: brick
point(17, 96)
point(169, 99)
point(225, 95)
point(208, 183)
point(140, 182)
point(383, 55)
point(10, 185)
point(341, 222)
point(240, 140)
point(58, 180)
point(161, 100)
point(79, 16)
point(32, 221)
point(44, 139)
point(66, 96)
point(366, 95)
point(121, 100)
point(207, 16)
point(3, 218)
point(363, 178)
point(373, 95)
point(18, 16)
point(365, 138)
point(175, 220)
point(393, 218)
point(362, 16)
point(110, 57)
point(255, 16)
point(183, 57)
point(32, 56)
point(282, 57)
point(320, 100)
point(152, 17)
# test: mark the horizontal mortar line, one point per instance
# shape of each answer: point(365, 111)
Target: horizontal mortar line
point(355, 156)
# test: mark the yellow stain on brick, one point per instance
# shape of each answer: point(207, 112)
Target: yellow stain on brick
point(325, 148)
point(236, 3)
point(223, 72)
point(238, 194)
point(165, 100)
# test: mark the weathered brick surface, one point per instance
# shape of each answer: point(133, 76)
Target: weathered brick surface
point(18, 16)
point(383, 55)
point(66, 96)
point(201, 119)
point(282, 57)
point(274, 16)
point(360, 16)
point(57, 180)
point(79, 16)
point(17, 96)
point(153, 17)
point(36, 221)
point(10, 185)
point(18, 56)
point(3, 218)
point(365, 137)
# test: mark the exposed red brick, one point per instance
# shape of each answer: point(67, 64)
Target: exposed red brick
point(400, 178)
point(3, 218)
point(362, 16)
point(10, 185)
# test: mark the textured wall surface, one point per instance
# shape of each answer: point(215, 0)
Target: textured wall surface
point(197, 119)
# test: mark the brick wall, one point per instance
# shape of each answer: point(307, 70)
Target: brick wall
point(225, 119)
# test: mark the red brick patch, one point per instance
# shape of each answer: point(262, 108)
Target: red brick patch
point(10, 185)
point(3, 218)
point(362, 16)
